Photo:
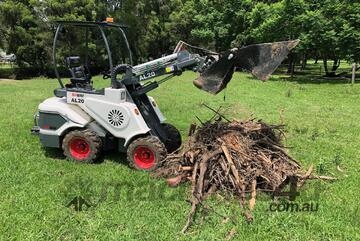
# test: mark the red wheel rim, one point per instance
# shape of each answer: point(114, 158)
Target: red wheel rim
point(144, 157)
point(79, 148)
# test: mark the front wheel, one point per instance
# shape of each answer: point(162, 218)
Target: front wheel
point(82, 146)
point(146, 153)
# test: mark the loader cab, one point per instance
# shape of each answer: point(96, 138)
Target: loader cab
point(83, 49)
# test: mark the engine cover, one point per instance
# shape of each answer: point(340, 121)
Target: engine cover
point(55, 116)
point(113, 110)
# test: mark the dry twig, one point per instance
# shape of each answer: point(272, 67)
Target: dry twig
point(237, 157)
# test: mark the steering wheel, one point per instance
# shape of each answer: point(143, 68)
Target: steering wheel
point(106, 74)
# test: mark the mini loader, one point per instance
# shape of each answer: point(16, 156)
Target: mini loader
point(84, 121)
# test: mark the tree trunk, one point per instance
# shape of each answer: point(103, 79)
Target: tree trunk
point(335, 66)
point(291, 65)
point(325, 65)
point(304, 62)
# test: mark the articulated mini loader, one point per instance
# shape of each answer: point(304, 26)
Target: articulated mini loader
point(84, 121)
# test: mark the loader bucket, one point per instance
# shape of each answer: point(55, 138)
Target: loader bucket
point(259, 59)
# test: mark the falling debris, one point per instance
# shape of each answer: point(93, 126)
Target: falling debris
point(237, 157)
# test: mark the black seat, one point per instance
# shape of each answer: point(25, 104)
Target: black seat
point(80, 75)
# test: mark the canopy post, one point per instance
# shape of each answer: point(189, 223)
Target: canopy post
point(54, 55)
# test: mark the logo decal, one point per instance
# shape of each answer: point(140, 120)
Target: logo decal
point(77, 98)
point(147, 75)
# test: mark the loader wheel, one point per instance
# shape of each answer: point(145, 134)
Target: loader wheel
point(82, 146)
point(146, 153)
point(174, 137)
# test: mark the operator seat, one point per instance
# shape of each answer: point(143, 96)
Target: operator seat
point(80, 75)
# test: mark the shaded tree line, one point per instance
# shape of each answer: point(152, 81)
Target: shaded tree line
point(329, 29)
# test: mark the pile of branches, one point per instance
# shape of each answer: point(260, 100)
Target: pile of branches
point(237, 157)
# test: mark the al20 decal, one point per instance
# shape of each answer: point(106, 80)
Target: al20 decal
point(77, 98)
point(147, 75)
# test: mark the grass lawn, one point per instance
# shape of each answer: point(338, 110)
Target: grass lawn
point(6, 65)
point(322, 128)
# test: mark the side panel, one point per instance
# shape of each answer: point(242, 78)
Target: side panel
point(55, 117)
point(114, 111)
point(50, 121)
point(120, 120)
point(68, 111)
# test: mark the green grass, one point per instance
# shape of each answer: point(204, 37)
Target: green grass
point(6, 65)
point(322, 128)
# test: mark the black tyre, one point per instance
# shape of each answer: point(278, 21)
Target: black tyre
point(146, 153)
point(174, 137)
point(82, 146)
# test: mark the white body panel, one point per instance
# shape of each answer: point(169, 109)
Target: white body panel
point(114, 111)
point(74, 115)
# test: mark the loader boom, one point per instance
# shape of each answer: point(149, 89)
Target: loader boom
point(173, 64)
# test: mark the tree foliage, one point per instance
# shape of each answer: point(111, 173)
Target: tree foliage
point(329, 29)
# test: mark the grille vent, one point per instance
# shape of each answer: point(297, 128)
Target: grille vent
point(116, 118)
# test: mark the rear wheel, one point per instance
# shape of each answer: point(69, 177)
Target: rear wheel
point(146, 153)
point(174, 137)
point(82, 146)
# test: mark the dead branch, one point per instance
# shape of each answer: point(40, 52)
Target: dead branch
point(233, 157)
